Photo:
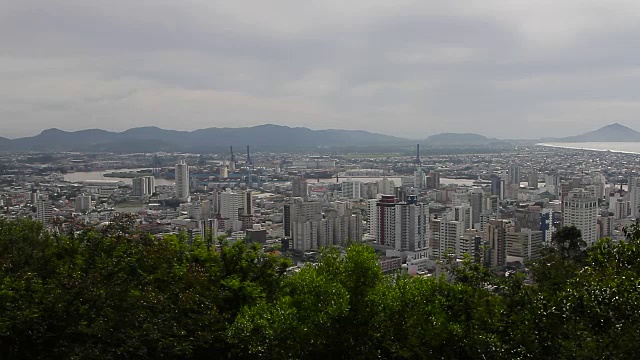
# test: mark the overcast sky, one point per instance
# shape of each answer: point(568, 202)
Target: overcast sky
point(502, 68)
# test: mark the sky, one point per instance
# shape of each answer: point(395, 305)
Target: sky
point(505, 69)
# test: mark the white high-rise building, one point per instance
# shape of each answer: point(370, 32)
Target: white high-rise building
point(151, 184)
point(386, 186)
point(420, 179)
point(634, 197)
point(372, 216)
point(182, 180)
point(44, 211)
point(232, 205)
point(305, 219)
point(581, 211)
point(446, 236)
point(351, 190)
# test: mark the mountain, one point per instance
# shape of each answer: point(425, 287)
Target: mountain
point(150, 139)
point(457, 139)
point(610, 133)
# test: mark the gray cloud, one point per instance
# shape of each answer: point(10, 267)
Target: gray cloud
point(409, 68)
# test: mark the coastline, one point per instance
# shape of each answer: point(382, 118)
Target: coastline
point(587, 148)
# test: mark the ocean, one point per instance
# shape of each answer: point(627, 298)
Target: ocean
point(625, 147)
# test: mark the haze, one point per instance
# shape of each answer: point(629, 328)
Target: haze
point(517, 69)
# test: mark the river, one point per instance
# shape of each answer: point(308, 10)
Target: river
point(81, 176)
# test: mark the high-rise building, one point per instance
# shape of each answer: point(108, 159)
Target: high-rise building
point(355, 227)
point(476, 206)
point(532, 179)
point(497, 239)
point(581, 211)
point(139, 187)
point(448, 233)
point(300, 188)
point(44, 211)
point(237, 207)
point(514, 175)
point(386, 186)
point(462, 213)
point(433, 180)
point(492, 203)
point(182, 180)
point(151, 184)
point(525, 244)
point(402, 226)
point(634, 197)
point(352, 190)
point(496, 186)
point(372, 216)
point(305, 220)
point(82, 203)
point(419, 179)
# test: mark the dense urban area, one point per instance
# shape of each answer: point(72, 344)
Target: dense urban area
point(320, 255)
point(413, 210)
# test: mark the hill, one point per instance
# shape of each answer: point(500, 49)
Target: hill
point(148, 139)
point(610, 133)
point(457, 139)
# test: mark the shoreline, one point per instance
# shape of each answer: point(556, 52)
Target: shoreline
point(588, 149)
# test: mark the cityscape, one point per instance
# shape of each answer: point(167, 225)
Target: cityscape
point(416, 211)
point(292, 180)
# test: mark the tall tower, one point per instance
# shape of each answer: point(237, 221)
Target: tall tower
point(300, 188)
point(249, 162)
point(44, 211)
point(232, 161)
point(581, 211)
point(476, 206)
point(634, 196)
point(514, 175)
point(182, 180)
point(418, 162)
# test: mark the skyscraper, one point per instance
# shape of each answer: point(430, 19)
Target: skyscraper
point(634, 196)
point(497, 238)
point(496, 186)
point(386, 186)
point(532, 179)
point(351, 190)
point(476, 206)
point(581, 211)
point(139, 187)
point(300, 188)
point(236, 206)
point(304, 221)
point(514, 175)
point(44, 211)
point(402, 226)
point(182, 180)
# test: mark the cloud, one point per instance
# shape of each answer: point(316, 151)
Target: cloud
point(409, 68)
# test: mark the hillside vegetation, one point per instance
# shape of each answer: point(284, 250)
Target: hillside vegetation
point(111, 293)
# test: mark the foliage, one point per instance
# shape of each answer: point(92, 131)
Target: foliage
point(115, 293)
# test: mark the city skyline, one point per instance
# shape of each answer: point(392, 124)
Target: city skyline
point(511, 69)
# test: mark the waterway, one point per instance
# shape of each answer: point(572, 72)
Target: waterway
point(396, 179)
point(99, 175)
point(623, 147)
